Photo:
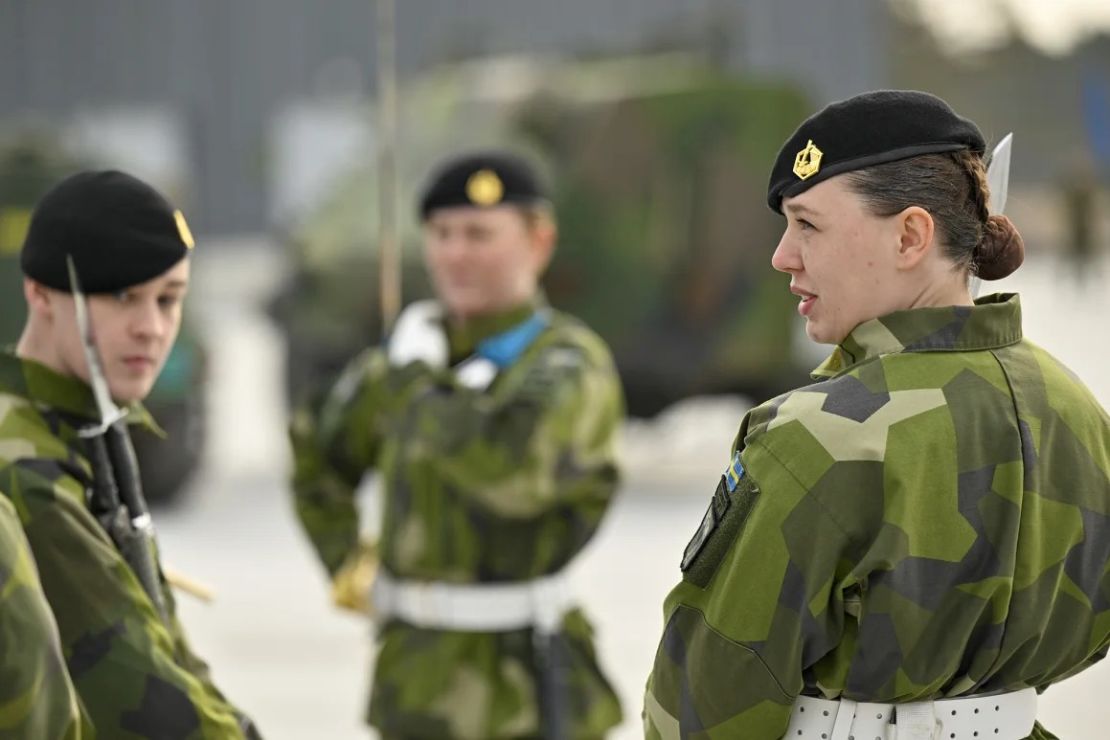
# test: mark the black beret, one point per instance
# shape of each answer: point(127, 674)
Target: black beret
point(869, 129)
point(482, 180)
point(119, 230)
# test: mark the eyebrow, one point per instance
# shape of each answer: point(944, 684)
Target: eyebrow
point(797, 208)
point(177, 284)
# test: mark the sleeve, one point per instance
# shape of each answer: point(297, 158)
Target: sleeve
point(766, 580)
point(335, 440)
point(122, 658)
point(544, 435)
point(38, 698)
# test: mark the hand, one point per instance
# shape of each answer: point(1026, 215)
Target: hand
point(418, 336)
point(350, 586)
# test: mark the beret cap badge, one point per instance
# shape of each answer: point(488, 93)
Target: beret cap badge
point(484, 188)
point(183, 229)
point(808, 161)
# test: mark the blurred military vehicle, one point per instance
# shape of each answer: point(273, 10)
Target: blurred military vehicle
point(658, 170)
point(30, 163)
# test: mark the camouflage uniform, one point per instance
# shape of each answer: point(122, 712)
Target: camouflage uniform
point(136, 677)
point(37, 699)
point(930, 520)
point(499, 485)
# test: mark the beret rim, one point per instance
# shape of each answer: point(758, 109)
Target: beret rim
point(859, 163)
point(508, 200)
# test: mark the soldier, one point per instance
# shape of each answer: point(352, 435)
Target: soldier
point(33, 679)
point(927, 528)
point(491, 420)
point(124, 647)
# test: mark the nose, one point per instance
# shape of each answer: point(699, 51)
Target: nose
point(786, 258)
point(148, 321)
point(452, 249)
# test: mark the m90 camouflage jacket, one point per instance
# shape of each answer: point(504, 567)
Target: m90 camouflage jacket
point(136, 675)
point(37, 699)
point(497, 485)
point(930, 520)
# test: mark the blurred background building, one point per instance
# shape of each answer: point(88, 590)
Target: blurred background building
point(193, 91)
point(199, 86)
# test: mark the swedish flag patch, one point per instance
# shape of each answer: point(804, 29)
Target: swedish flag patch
point(735, 473)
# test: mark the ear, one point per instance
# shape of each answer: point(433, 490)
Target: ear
point(544, 233)
point(916, 230)
point(39, 300)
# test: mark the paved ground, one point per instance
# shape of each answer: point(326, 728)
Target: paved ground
point(301, 668)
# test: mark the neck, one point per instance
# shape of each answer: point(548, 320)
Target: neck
point(950, 289)
point(464, 333)
point(32, 347)
point(518, 309)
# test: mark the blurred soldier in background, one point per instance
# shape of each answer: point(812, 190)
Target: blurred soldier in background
point(917, 544)
point(70, 471)
point(491, 419)
point(35, 689)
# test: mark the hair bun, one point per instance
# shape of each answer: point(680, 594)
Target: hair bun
point(1001, 251)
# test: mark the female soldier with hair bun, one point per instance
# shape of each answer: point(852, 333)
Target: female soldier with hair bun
point(916, 545)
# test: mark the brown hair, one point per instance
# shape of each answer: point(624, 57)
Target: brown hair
point(537, 214)
point(953, 188)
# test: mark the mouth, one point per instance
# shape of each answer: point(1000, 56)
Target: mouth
point(138, 363)
point(805, 306)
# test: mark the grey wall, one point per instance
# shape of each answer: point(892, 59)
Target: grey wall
point(224, 66)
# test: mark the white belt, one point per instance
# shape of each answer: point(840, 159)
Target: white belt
point(1008, 716)
point(481, 607)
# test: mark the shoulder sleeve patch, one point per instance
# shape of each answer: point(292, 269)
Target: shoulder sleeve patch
point(723, 522)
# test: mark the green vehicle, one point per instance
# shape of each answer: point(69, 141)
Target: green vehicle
point(658, 169)
point(29, 165)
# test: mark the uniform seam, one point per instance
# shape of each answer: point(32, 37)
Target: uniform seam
point(741, 644)
point(1017, 537)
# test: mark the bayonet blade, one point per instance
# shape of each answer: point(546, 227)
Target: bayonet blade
point(998, 180)
point(998, 174)
point(109, 412)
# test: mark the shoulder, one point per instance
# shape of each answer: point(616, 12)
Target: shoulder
point(569, 337)
point(36, 465)
point(1062, 386)
point(1051, 393)
point(847, 418)
point(25, 433)
point(569, 367)
point(20, 430)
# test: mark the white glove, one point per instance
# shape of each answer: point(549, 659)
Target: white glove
point(418, 336)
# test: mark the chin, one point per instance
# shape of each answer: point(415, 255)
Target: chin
point(821, 336)
point(465, 309)
point(814, 333)
point(131, 392)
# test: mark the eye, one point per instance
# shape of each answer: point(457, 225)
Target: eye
point(123, 296)
point(804, 225)
point(170, 301)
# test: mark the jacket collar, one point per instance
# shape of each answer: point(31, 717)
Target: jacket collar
point(44, 386)
point(994, 321)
